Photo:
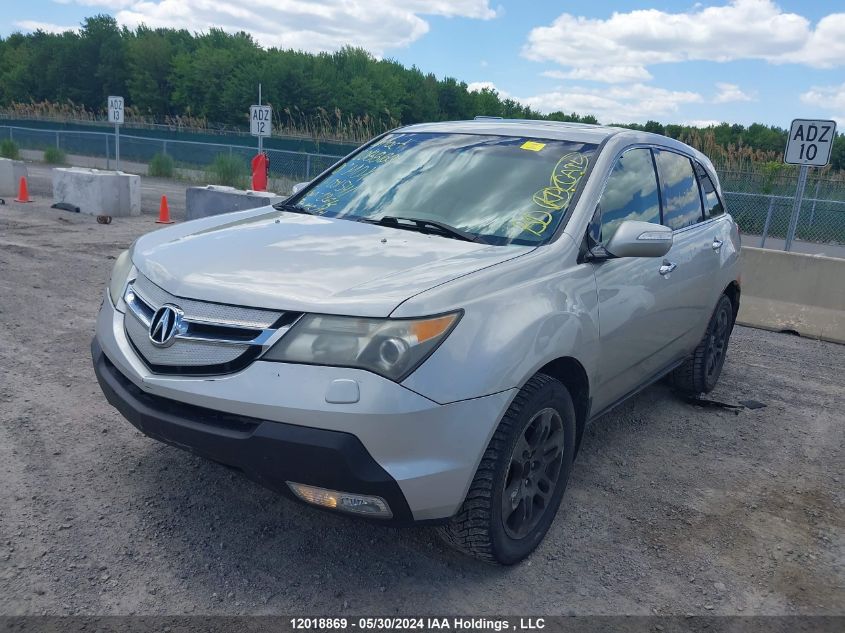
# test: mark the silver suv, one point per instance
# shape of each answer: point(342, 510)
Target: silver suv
point(421, 334)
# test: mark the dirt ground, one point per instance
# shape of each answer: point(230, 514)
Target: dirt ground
point(672, 508)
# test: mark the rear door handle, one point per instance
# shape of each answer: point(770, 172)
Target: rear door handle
point(717, 243)
point(667, 267)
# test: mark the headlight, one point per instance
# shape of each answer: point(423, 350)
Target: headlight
point(390, 347)
point(119, 276)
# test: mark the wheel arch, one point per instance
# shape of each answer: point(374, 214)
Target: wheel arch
point(569, 371)
point(732, 292)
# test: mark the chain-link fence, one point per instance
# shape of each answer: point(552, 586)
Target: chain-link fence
point(761, 204)
point(286, 167)
point(767, 216)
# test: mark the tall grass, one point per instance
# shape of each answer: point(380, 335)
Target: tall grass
point(9, 149)
point(54, 156)
point(161, 166)
point(288, 121)
point(228, 170)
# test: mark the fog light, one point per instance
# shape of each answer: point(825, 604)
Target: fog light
point(345, 501)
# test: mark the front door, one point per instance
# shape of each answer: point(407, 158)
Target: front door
point(647, 305)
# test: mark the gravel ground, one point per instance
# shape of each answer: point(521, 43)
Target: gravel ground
point(672, 508)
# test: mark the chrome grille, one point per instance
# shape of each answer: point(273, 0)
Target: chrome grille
point(183, 352)
point(212, 338)
point(205, 311)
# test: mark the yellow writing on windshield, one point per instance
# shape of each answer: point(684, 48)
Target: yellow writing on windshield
point(563, 182)
point(565, 178)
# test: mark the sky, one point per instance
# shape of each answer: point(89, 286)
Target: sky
point(740, 61)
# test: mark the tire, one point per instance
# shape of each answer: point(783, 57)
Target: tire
point(540, 421)
point(700, 372)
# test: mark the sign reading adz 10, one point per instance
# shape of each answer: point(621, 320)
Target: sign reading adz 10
point(260, 120)
point(810, 142)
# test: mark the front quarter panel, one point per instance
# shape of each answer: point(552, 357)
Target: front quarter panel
point(518, 316)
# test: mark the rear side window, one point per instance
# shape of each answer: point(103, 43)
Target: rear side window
point(630, 193)
point(681, 198)
point(712, 205)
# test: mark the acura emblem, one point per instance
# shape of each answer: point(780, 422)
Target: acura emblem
point(166, 324)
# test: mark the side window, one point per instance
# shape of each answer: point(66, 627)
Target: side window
point(712, 204)
point(681, 197)
point(630, 192)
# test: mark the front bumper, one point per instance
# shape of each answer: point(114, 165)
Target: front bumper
point(270, 453)
point(273, 422)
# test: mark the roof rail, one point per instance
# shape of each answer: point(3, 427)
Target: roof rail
point(482, 117)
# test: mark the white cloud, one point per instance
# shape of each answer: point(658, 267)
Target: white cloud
point(620, 104)
point(300, 24)
point(604, 74)
point(47, 27)
point(826, 97)
point(701, 122)
point(478, 86)
point(731, 92)
point(741, 29)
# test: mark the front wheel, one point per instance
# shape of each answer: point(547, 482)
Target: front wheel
point(519, 484)
point(700, 372)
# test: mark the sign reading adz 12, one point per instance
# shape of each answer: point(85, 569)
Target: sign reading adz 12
point(810, 142)
point(260, 120)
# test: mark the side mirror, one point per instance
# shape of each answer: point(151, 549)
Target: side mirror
point(640, 239)
point(298, 187)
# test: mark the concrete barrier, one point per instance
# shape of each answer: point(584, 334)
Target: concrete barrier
point(793, 292)
point(201, 202)
point(98, 192)
point(11, 172)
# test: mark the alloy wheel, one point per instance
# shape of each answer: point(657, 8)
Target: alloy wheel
point(533, 473)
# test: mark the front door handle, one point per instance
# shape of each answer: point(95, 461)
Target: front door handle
point(667, 267)
point(717, 243)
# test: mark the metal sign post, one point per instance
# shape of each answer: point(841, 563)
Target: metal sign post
point(809, 144)
point(115, 108)
point(796, 207)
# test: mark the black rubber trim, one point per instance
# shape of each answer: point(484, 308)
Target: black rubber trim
point(270, 453)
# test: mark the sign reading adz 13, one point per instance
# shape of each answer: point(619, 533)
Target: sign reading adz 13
point(810, 142)
point(115, 109)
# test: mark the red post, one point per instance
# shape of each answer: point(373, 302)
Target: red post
point(260, 172)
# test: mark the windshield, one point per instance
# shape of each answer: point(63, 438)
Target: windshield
point(503, 189)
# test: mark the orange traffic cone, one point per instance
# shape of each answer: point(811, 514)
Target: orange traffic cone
point(164, 212)
point(23, 191)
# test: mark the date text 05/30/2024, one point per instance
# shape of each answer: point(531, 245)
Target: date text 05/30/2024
point(418, 624)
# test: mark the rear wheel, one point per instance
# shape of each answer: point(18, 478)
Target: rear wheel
point(700, 373)
point(519, 484)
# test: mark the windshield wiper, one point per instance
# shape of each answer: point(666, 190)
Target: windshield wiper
point(293, 208)
point(423, 226)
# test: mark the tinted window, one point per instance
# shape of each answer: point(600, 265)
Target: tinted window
point(630, 192)
point(712, 204)
point(681, 198)
point(505, 189)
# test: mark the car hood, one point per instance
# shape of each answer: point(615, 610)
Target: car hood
point(273, 259)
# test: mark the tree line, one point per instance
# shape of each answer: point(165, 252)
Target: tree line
point(210, 79)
